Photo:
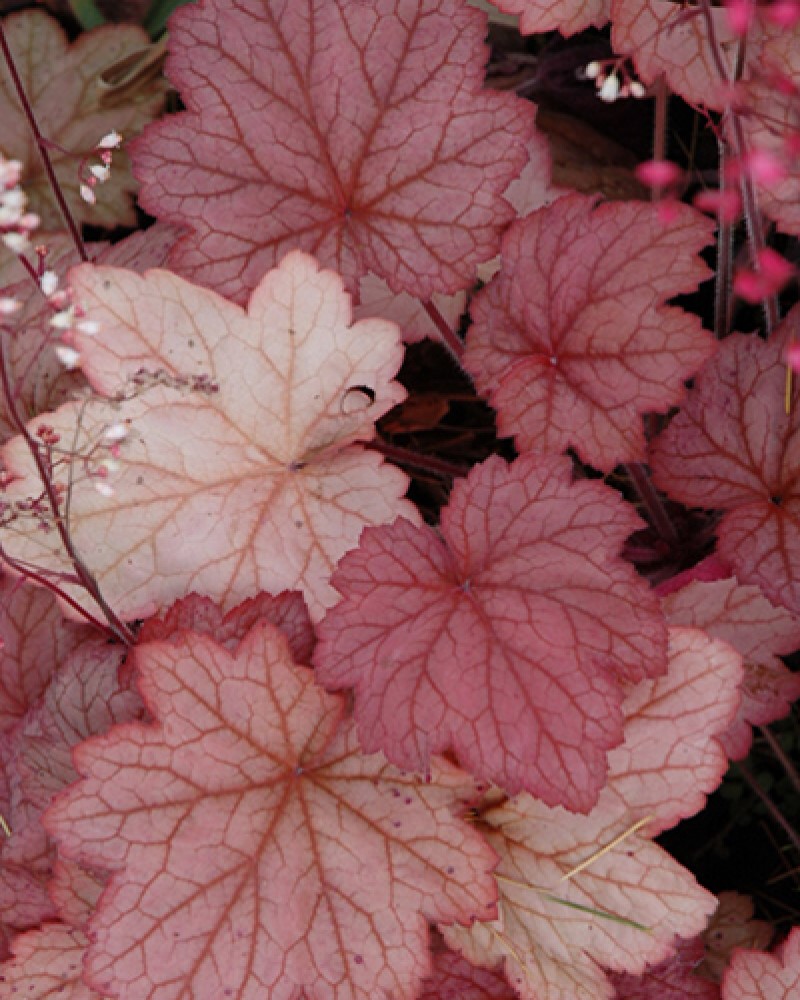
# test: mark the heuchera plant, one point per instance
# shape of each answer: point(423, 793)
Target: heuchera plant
point(267, 728)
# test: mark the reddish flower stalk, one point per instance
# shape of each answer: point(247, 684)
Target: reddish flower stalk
point(451, 340)
point(41, 144)
point(738, 144)
point(119, 628)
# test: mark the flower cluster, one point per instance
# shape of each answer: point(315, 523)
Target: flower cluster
point(16, 222)
point(613, 81)
point(99, 173)
point(742, 13)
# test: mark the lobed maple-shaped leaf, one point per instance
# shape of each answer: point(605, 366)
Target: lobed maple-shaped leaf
point(252, 480)
point(83, 698)
point(580, 894)
point(23, 897)
point(287, 611)
point(733, 446)
point(761, 633)
point(88, 694)
point(361, 135)
point(662, 37)
point(454, 978)
point(567, 16)
point(34, 640)
point(672, 979)
point(755, 975)
point(256, 851)
point(79, 93)
point(502, 637)
point(46, 965)
point(572, 341)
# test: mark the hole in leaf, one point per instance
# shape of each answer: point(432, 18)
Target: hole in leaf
point(357, 397)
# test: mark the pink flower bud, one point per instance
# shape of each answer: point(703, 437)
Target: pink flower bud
point(793, 356)
point(727, 204)
point(9, 305)
point(659, 173)
point(741, 14)
point(784, 13)
point(773, 272)
point(765, 168)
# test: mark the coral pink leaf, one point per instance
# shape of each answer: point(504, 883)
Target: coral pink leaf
point(755, 975)
point(75, 890)
point(663, 37)
point(566, 16)
point(733, 446)
point(770, 125)
point(41, 380)
point(24, 902)
point(377, 299)
point(583, 893)
point(761, 633)
point(256, 851)
point(35, 640)
point(454, 978)
point(84, 698)
point(504, 637)
point(47, 965)
point(690, 707)
point(672, 979)
point(572, 340)
point(240, 470)
point(200, 614)
point(89, 693)
point(76, 97)
point(361, 134)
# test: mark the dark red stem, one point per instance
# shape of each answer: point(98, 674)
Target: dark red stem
point(41, 144)
point(404, 456)
point(43, 581)
point(451, 340)
point(652, 503)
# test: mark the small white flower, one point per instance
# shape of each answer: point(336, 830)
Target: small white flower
point(592, 71)
point(110, 141)
point(28, 222)
point(48, 282)
point(9, 215)
point(88, 194)
point(88, 326)
point(116, 432)
point(8, 305)
point(103, 488)
point(16, 242)
point(15, 198)
point(64, 320)
point(10, 172)
point(68, 356)
point(637, 89)
point(609, 92)
point(101, 172)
